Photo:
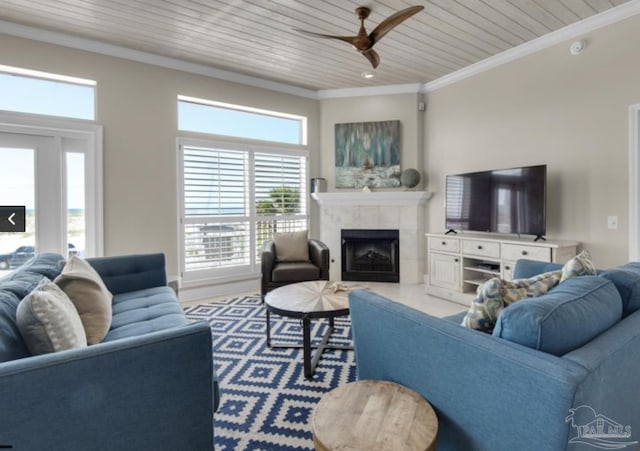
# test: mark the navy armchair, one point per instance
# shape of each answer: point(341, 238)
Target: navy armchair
point(277, 274)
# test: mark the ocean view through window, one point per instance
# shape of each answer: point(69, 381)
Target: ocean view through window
point(48, 175)
point(52, 164)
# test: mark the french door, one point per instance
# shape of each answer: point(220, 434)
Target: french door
point(47, 174)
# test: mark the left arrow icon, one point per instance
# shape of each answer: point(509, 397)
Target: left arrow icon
point(12, 218)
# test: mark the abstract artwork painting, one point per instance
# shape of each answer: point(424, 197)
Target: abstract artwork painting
point(368, 154)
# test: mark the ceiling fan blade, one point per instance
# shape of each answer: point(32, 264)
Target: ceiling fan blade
point(348, 39)
point(372, 56)
point(390, 22)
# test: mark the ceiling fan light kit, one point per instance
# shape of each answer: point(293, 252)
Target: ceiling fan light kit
point(363, 42)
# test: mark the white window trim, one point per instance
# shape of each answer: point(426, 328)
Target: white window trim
point(59, 128)
point(231, 274)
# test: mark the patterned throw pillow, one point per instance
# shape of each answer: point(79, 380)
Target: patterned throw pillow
point(496, 294)
point(580, 265)
point(48, 321)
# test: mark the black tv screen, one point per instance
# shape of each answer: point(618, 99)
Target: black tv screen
point(500, 201)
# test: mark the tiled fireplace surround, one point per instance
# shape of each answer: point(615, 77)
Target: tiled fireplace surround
point(402, 210)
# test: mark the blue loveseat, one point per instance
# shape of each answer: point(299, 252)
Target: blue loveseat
point(148, 385)
point(566, 367)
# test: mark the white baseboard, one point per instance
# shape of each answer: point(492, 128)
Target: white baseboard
point(207, 292)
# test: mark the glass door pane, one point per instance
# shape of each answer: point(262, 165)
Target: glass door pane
point(17, 187)
point(76, 217)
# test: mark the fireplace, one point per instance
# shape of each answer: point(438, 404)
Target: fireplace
point(370, 255)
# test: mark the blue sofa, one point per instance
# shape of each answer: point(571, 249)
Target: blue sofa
point(572, 355)
point(148, 385)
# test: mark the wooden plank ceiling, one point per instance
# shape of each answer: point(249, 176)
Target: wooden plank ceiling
point(256, 37)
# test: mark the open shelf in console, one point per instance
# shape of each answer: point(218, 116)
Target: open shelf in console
point(478, 271)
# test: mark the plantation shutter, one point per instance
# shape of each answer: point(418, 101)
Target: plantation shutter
point(234, 198)
point(216, 222)
point(281, 195)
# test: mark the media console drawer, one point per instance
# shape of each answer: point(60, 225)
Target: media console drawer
point(516, 251)
point(489, 249)
point(444, 244)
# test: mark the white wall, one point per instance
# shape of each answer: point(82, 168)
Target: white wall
point(569, 112)
point(136, 104)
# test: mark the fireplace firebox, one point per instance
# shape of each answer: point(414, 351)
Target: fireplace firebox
point(371, 255)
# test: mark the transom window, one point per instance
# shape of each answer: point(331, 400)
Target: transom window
point(217, 118)
point(35, 92)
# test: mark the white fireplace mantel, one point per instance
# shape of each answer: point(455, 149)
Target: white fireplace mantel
point(401, 210)
point(395, 198)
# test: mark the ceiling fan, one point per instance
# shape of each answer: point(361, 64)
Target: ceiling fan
point(364, 42)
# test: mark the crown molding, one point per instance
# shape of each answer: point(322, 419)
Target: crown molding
point(611, 16)
point(90, 45)
point(409, 88)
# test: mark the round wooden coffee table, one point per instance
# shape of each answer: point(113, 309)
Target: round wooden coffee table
point(309, 300)
point(374, 416)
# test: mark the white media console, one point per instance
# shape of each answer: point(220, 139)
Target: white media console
point(458, 264)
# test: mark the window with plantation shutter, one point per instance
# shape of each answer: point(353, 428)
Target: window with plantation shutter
point(216, 208)
point(235, 194)
point(234, 197)
point(281, 195)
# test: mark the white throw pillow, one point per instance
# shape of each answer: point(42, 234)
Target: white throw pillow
point(48, 320)
point(291, 246)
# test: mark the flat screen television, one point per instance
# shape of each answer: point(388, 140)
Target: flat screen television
point(500, 201)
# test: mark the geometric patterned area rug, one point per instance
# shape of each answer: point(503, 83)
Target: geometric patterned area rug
point(265, 402)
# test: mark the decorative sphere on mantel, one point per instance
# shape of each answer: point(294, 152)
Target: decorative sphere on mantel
point(409, 178)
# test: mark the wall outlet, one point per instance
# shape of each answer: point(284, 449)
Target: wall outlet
point(612, 222)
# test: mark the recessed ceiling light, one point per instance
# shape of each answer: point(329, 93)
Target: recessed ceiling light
point(368, 74)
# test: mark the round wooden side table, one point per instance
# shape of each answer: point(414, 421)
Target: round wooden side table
point(374, 416)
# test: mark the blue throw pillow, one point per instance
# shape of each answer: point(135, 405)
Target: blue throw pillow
point(626, 278)
point(572, 314)
point(12, 345)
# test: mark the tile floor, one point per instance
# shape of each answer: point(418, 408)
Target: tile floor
point(412, 295)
